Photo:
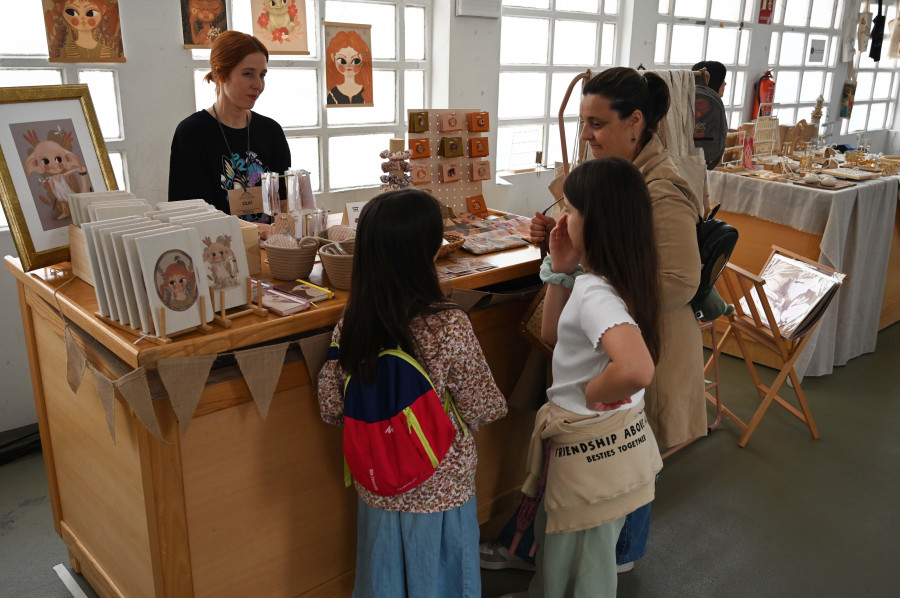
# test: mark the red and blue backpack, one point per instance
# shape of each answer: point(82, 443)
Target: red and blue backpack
point(396, 430)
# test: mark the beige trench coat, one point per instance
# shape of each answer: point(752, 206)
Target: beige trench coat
point(675, 403)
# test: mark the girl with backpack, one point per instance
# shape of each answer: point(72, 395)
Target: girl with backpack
point(602, 309)
point(422, 542)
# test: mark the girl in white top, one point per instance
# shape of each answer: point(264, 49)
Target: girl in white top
point(607, 339)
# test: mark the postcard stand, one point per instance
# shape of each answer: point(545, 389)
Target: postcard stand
point(224, 319)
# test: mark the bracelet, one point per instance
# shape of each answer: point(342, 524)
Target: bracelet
point(561, 278)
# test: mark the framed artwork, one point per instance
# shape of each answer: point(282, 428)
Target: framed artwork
point(202, 21)
point(281, 25)
point(50, 146)
point(83, 30)
point(348, 65)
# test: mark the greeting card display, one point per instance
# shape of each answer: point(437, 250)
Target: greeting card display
point(478, 147)
point(420, 148)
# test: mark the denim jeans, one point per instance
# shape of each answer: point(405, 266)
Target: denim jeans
point(417, 554)
point(632, 543)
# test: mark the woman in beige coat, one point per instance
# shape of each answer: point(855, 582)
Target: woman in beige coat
point(621, 109)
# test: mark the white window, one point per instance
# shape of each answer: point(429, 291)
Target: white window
point(877, 85)
point(340, 147)
point(543, 45)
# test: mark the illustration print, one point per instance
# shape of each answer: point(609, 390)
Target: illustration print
point(176, 282)
point(221, 264)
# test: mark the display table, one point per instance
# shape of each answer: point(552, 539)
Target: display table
point(855, 230)
point(238, 506)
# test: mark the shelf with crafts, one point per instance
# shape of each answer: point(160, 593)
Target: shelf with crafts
point(232, 504)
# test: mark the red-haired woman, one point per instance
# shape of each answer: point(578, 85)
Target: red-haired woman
point(348, 70)
point(228, 146)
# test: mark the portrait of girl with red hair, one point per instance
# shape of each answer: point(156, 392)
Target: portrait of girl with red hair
point(83, 31)
point(348, 65)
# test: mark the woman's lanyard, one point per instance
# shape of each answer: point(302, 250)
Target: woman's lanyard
point(230, 153)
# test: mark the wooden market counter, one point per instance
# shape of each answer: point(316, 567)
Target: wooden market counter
point(238, 506)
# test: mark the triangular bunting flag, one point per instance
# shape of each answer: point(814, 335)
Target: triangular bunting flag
point(136, 392)
point(261, 368)
point(107, 393)
point(314, 349)
point(184, 379)
point(467, 298)
point(74, 362)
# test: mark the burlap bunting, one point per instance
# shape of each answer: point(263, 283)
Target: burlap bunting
point(107, 393)
point(136, 392)
point(261, 368)
point(75, 362)
point(184, 379)
point(314, 349)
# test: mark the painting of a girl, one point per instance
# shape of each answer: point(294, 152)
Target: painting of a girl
point(348, 64)
point(83, 30)
point(175, 280)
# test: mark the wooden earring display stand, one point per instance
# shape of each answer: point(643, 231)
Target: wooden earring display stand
point(224, 319)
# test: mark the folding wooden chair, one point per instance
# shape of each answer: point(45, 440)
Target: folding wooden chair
point(749, 322)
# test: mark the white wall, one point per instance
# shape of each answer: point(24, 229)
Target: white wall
point(16, 405)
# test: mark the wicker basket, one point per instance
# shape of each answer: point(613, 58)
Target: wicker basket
point(338, 267)
point(290, 263)
point(338, 232)
point(454, 242)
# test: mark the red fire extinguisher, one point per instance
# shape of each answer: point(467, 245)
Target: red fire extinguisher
point(765, 94)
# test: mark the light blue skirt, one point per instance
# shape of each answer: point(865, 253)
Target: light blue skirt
point(417, 554)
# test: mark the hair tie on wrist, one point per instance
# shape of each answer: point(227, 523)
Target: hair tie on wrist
point(548, 276)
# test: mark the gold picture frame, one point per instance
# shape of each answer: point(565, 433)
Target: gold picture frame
point(44, 156)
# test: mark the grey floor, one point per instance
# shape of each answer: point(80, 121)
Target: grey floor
point(786, 516)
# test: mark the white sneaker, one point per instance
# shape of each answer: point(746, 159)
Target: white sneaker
point(496, 556)
point(625, 567)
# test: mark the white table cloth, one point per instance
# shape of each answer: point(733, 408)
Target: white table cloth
point(856, 225)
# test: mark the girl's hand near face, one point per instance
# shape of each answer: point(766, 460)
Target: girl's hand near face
point(563, 254)
point(540, 226)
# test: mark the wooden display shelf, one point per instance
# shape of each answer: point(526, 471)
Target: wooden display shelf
point(239, 505)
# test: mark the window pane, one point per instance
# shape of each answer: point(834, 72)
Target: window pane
point(521, 95)
point(796, 13)
point(608, 44)
point(117, 160)
point(690, 8)
point(102, 85)
point(735, 121)
point(415, 33)
point(291, 97)
point(384, 110)
point(821, 13)
point(23, 29)
point(739, 91)
point(729, 87)
point(819, 43)
point(779, 10)
point(832, 52)
point(554, 154)
point(354, 161)
point(722, 44)
point(827, 92)
point(744, 47)
point(578, 5)
point(663, 7)
point(838, 14)
point(559, 83)
point(524, 41)
point(574, 42)
point(793, 48)
point(882, 85)
point(414, 90)
point(787, 85)
point(725, 10)
point(786, 115)
point(611, 7)
point(864, 82)
point(204, 93)
point(812, 85)
point(305, 155)
point(516, 146)
point(16, 77)
point(662, 32)
point(773, 48)
point(381, 16)
point(528, 3)
point(687, 44)
point(858, 118)
point(876, 116)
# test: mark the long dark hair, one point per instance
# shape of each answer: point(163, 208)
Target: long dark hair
point(394, 279)
point(614, 203)
point(628, 90)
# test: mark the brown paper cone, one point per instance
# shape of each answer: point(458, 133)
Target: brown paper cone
point(74, 362)
point(107, 393)
point(184, 379)
point(314, 349)
point(261, 368)
point(136, 393)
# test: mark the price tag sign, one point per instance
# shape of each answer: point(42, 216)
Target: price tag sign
point(243, 201)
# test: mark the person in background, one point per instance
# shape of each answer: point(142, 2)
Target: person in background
point(423, 542)
point(228, 146)
point(621, 109)
point(710, 121)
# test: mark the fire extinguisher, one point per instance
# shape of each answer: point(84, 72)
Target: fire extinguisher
point(765, 94)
